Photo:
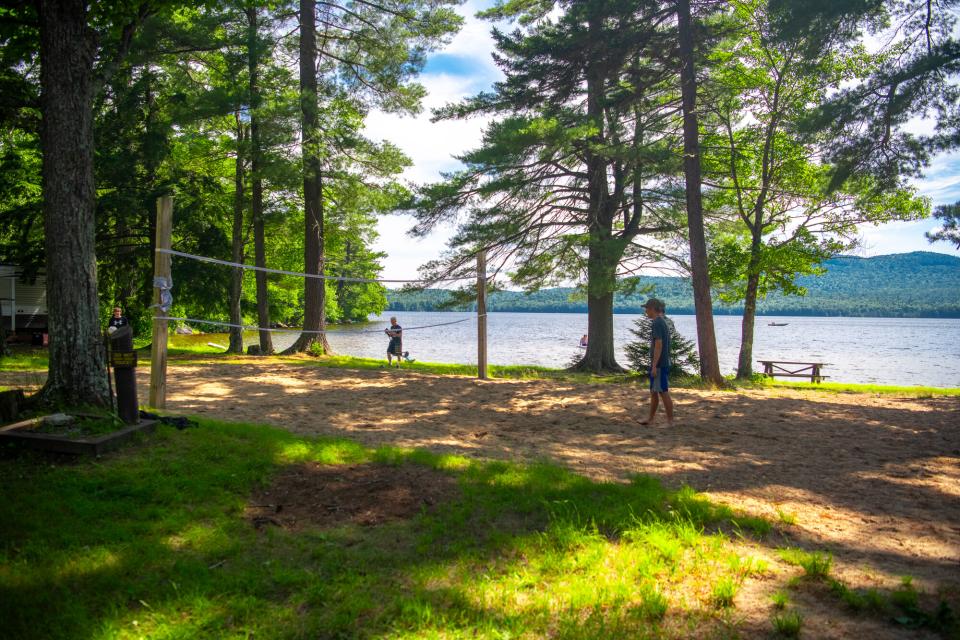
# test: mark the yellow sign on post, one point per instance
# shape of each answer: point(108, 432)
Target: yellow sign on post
point(123, 359)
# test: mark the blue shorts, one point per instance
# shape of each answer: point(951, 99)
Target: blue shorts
point(660, 383)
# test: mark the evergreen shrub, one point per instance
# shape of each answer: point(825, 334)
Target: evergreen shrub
point(684, 361)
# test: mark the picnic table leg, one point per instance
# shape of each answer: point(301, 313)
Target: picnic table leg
point(815, 377)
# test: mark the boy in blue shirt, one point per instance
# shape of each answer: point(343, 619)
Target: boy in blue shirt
point(659, 360)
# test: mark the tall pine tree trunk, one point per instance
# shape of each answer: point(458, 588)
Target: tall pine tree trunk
point(77, 369)
point(314, 294)
point(703, 304)
point(603, 254)
point(256, 168)
point(602, 262)
point(236, 277)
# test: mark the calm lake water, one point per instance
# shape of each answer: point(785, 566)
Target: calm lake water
point(901, 351)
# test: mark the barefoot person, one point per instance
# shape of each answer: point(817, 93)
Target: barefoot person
point(659, 360)
point(395, 348)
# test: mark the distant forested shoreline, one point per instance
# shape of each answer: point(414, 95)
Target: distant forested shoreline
point(921, 284)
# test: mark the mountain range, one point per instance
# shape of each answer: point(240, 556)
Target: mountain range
point(918, 284)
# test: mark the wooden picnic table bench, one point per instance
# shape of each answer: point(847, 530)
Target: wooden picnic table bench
point(788, 369)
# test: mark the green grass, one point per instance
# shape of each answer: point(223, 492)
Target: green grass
point(83, 427)
point(814, 563)
point(780, 599)
point(724, 591)
point(788, 625)
point(21, 359)
point(152, 542)
point(785, 517)
point(902, 604)
point(843, 387)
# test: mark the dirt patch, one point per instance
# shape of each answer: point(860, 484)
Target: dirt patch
point(313, 495)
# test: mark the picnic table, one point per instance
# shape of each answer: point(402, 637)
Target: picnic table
point(788, 369)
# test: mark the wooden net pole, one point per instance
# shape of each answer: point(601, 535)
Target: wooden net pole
point(482, 315)
point(161, 273)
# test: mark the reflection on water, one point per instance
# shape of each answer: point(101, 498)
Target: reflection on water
point(905, 351)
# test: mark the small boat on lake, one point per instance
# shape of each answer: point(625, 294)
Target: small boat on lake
point(777, 324)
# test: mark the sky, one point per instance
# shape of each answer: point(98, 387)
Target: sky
point(464, 68)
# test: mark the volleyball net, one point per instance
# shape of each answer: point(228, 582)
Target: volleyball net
point(166, 297)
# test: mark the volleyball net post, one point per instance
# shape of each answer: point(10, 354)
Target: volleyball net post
point(482, 315)
point(161, 284)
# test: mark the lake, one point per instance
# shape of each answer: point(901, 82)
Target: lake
point(899, 351)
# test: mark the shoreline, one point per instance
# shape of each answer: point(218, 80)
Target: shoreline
point(683, 311)
point(31, 377)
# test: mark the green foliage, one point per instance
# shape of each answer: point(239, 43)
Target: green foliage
point(867, 121)
point(683, 352)
point(776, 218)
point(949, 231)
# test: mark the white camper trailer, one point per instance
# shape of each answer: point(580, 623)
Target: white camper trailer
point(23, 303)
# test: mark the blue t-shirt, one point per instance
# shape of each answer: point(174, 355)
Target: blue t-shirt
point(660, 330)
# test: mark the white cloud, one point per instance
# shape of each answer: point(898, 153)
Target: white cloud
point(432, 146)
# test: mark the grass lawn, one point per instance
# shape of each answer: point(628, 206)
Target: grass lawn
point(845, 387)
point(24, 359)
point(154, 541)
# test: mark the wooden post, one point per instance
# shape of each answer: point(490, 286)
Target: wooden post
point(482, 315)
point(161, 269)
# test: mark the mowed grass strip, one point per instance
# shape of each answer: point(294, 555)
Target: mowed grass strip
point(197, 350)
point(154, 542)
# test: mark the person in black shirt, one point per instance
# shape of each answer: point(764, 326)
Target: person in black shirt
point(395, 348)
point(118, 320)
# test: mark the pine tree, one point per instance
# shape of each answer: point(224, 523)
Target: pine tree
point(949, 217)
point(578, 172)
point(683, 353)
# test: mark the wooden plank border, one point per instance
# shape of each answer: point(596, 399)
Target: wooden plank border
point(77, 446)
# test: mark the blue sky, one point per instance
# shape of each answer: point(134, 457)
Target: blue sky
point(464, 68)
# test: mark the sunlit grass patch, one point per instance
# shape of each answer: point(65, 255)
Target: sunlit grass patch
point(780, 599)
point(814, 563)
point(153, 542)
point(723, 592)
point(849, 387)
point(21, 359)
point(786, 517)
point(788, 625)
